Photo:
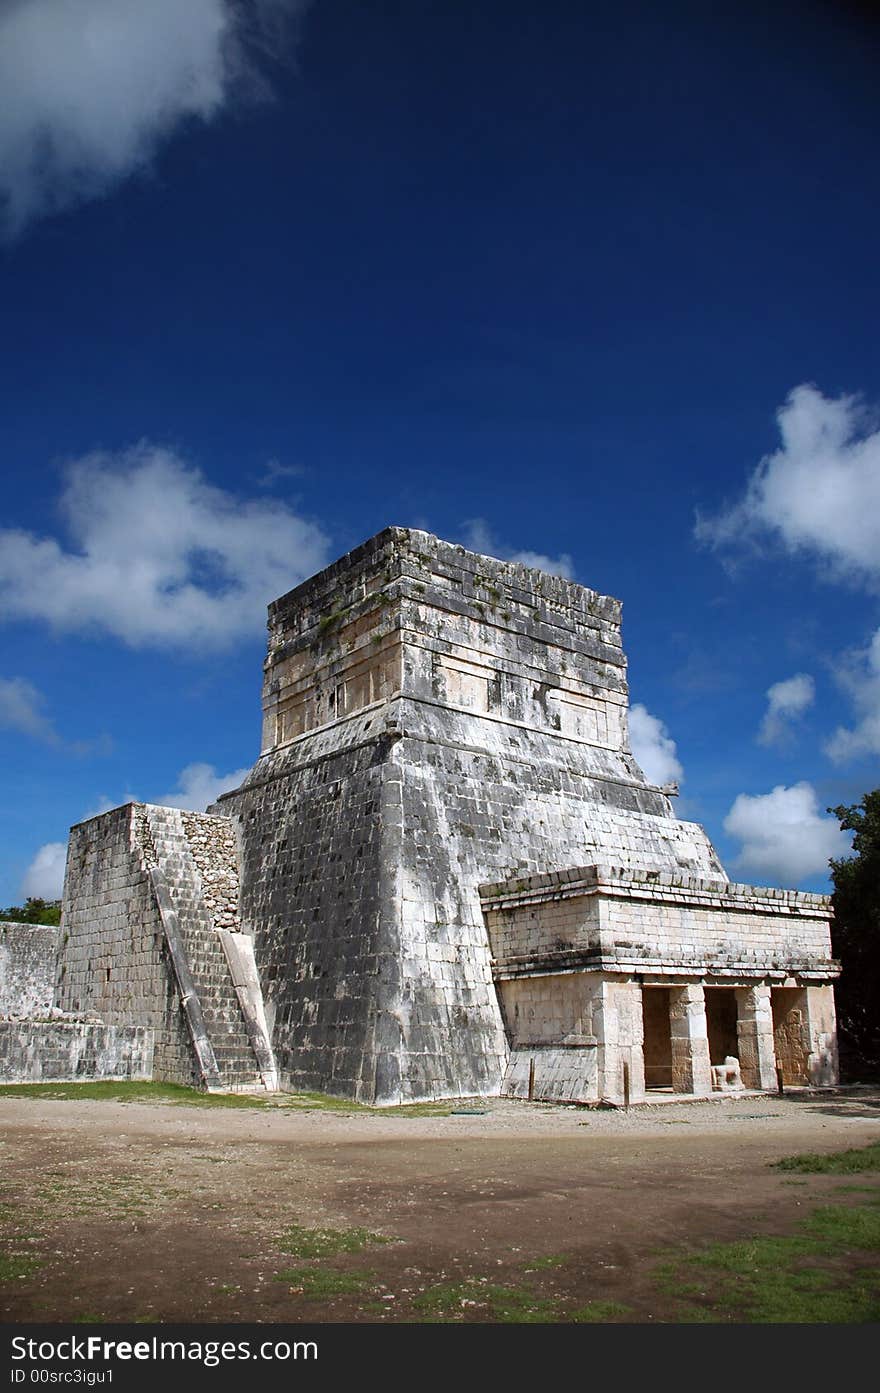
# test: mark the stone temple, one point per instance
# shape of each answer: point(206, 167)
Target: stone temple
point(445, 876)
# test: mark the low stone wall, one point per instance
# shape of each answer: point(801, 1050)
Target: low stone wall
point(27, 967)
point(557, 1073)
point(67, 1052)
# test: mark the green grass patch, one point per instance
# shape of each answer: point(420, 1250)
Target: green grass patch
point(808, 1277)
point(131, 1091)
point(596, 1312)
point(111, 1197)
point(15, 1265)
point(548, 1261)
point(508, 1305)
point(856, 1227)
point(852, 1162)
point(315, 1284)
point(417, 1110)
point(326, 1243)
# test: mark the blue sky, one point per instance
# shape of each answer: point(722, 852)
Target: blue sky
point(593, 282)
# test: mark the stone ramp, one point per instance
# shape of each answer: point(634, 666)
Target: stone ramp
point(229, 1062)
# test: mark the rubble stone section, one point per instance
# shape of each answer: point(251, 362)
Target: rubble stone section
point(28, 955)
point(210, 842)
point(433, 719)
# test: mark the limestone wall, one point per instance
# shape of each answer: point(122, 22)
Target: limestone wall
point(313, 838)
point(27, 968)
point(112, 961)
point(628, 920)
point(68, 1052)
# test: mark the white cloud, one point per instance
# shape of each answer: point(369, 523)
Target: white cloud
point(784, 837)
point(91, 88)
point(785, 702)
point(859, 675)
point(198, 785)
point(159, 556)
point(102, 804)
point(819, 494)
point(478, 537)
point(44, 877)
point(653, 747)
point(21, 710)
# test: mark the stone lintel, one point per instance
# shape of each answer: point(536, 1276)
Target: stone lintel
point(627, 883)
point(780, 974)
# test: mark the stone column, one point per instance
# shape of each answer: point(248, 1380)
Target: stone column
point(691, 1069)
point(821, 1026)
point(617, 1026)
point(754, 1028)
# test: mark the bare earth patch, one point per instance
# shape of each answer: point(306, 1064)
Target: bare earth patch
point(496, 1211)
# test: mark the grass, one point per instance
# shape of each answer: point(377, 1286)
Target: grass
point(16, 1265)
point(853, 1162)
point(810, 1277)
point(133, 1091)
point(600, 1311)
point(509, 1305)
point(323, 1243)
point(315, 1284)
point(111, 1197)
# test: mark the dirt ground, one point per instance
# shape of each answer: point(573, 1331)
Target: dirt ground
point(143, 1212)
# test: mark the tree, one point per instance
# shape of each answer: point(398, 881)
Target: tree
point(34, 911)
point(855, 935)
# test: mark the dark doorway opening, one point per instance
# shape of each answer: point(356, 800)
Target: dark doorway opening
point(657, 1037)
point(721, 1019)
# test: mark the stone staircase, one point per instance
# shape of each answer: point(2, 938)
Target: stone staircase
point(224, 1023)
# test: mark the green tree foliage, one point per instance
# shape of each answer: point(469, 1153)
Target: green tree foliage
point(855, 935)
point(34, 911)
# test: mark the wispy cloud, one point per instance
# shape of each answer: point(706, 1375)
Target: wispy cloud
point(653, 747)
point(786, 701)
point(859, 675)
point(44, 877)
point(819, 495)
point(158, 556)
point(785, 839)
point(21, 709)
point(198, 785)
point(274, 472)
point(92, 88)
point(479, 537)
